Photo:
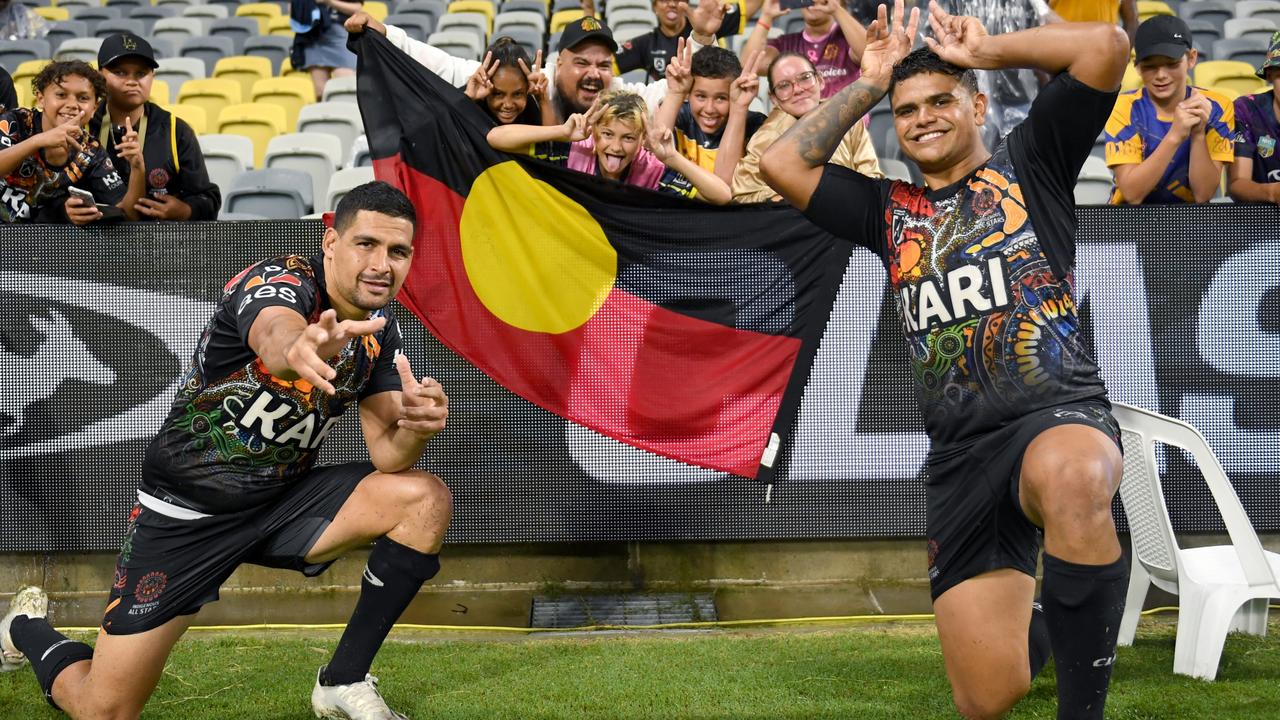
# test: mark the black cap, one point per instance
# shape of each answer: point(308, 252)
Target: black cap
point(1165, 35)
point(125, 45)
point(588, 28)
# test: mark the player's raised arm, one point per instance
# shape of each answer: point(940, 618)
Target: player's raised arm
point(398, 425)
point(290, 348)
point(1094, 53)
point(793, 165)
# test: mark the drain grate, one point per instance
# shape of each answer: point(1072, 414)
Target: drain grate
point(570, 611)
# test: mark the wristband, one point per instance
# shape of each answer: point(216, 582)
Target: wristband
point(765, 25)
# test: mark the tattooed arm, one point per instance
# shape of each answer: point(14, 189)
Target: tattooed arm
point(793, 165)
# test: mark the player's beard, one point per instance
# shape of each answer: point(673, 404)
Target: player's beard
point(367, 301)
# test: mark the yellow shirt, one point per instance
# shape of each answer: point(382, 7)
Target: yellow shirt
point(1107, 11)
point(855, 152)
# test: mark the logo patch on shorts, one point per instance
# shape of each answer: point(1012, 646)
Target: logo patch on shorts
point(150, 586)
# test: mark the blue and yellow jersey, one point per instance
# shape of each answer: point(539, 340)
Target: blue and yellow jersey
point(1136, 128)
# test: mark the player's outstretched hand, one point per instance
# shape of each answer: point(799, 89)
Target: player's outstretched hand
point(957, 39)
point(888, 42)
point(309, 354)
point(425, 407)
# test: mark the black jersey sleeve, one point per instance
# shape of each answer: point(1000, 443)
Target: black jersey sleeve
point(385, 377)
point(1048, 149)
point(8, 94)
point(850, 205)
point(282, 282)
point(634, 53)
point(102, 179)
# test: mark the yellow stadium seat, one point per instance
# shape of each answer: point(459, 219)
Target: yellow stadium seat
point(1151, 8)
point(1132, 80)
point(22, 77)
point(243, 69)
point(480, 6)
point(53, 14)
point(194, 115)
point(280, 26)
point(286, 70)
point(210, 94)
point(263, 12)
point(1234, 74)
point(257, 121)
point(290, 93)
point(564, 17)
point(378, 10)
point(160, 92)
point(1227, 90)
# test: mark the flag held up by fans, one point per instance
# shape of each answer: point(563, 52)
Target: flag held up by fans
point(675, 327)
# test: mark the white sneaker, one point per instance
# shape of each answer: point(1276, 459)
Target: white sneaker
point(30, 601)
point(357, 701)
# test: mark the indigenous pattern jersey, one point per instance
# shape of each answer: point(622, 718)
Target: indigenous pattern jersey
point(830, 55)
point(1257, 130)
point(237, 436)
point(1136, 128)
point(696, 144)
point(981, 269)
point(36, 191)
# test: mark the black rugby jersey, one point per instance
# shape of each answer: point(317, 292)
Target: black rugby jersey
point(982, 269)
point(237, 436)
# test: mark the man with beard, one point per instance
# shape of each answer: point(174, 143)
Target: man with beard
point(581, 70)
point(231, 477)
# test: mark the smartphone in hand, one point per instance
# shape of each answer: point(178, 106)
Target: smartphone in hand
point(794, 4)
point(86, 197)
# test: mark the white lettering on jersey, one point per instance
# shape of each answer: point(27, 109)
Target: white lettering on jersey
point(928, 305)
point(265, 410)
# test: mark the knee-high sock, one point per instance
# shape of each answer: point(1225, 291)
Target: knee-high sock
point(391, 579)
point(1039, 646)
point(1082, 607)
point(49, 651)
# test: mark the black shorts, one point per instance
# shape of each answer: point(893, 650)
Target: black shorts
point(973, 515)
point(169, 567)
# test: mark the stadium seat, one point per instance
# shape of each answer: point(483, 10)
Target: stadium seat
point(263, 12)
point(275, 49)
point(193, 115)
point(615, 5)
point(433, 9)
point(1248, 27)
point(277, 193)
point(792, 23)
point(1214, 11)
point(1265, 9)
point(895, 169)
point(286, 70)
point(160, 92)
point(22, 77)
point(564, 17)
point(258, 121)
point(459, 43)
point(206, 12)
point(178, 70)
point(1093, 184)
point(881, 119)
point(340, 89)
point(484, 7)
point(537, 6)
point(360, 155)
point(107, 28)
point(63, 30)
point(127, 6)
point(378, 10)
point(639, 75)
point(238, 29)
point(1132, 78)
point(415, 25)
point(176, 4)
point(163, 48)
point(207, 49)
point(85, 48)
point(177, 29)
point(528, 38)
point(149, 14)
point(243, 69)
point(52, 14)
point(78, 3)
point(230, 5)
point(1151, 8)
point(1228, 73)
point(628, 23)
point(341, 182)
point(339, 119)
point(519, 18)
point(474, 23)
point(280, 27)
point(1251, 50)
point(290, 93)
point(559, 5)
point(1220, 588)
point(316, 154)
point(93, 15)
point(225, 157)
point(210, 94)
point(15, 52)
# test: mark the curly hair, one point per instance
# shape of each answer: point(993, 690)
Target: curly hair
point(923, 60)
point(715, 62)
point(625, 106)
point(55, 72)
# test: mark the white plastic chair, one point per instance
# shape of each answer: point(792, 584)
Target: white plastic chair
point(1220, 588)
point(225, 157)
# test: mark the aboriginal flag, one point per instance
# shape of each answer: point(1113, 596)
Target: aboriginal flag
point(670, 325)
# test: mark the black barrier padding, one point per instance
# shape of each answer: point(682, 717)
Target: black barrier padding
point(96, 325)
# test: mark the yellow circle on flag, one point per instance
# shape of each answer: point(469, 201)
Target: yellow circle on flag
point(535, 258)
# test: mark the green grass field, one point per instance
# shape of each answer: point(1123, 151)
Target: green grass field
point(849, 671)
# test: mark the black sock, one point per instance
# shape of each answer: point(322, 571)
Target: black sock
point(1039, 647)
point(391, 579)
point(1082, 607)
point(49, 651)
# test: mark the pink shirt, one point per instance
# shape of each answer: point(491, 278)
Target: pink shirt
point(829, 54)
point(645, 171)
